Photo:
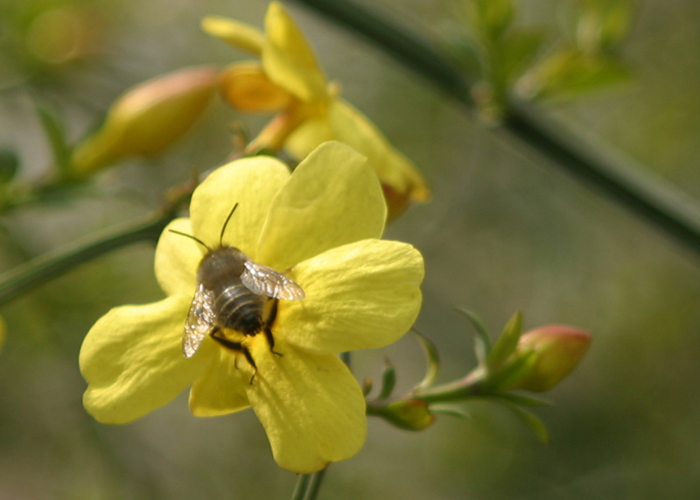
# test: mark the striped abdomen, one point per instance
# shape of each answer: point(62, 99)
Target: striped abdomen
point(237, 308)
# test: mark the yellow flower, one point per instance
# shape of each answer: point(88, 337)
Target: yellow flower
point(289, 80)
point(321, 227)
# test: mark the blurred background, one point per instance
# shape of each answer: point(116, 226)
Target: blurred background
point(505, 231)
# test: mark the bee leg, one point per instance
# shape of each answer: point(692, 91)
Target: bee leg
point(238, 347)
point(268, 328)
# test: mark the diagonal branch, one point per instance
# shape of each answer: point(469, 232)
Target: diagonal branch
point(645, 194)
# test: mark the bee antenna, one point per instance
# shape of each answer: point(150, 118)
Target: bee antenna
point(223, 228)
point(192, 238)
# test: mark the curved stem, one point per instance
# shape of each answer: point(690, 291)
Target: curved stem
point(302, 487)
point(52, 264)
point(315, 486)
point(645, 194)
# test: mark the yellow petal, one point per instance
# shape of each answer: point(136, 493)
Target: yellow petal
point(177, 258)
point(311, 407)
point(333, 198)
point(393, 168)
point(245, 87)
point(132, 360)
point(400, 178)
point(250, 182)
point(309, 135)
point(358, 296)
point(238, 34)
point(220, 389)
point(288, 59)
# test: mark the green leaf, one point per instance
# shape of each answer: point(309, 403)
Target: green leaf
point(388, 380)
point(367, 385)
point(519, 399)
point(452, 410)
point(532, 421)
point(509, 374)
point(9, 165)
point(491, 17)
point(433, 359)
point(518, 50)
point(55, 133)
point(482, 341)
point(569, 73)
point(506, 343)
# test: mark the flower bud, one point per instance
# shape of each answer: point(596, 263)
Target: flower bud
point(147, 118)
point(558, 349)
point(411, 415)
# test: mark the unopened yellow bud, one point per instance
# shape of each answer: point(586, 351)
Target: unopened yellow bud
point(147, 118)
point(411, 415)
point(558, 350)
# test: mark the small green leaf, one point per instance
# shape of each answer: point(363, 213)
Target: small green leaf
point(55, 133)
point(510, 373)
point(506, 343)
point(482, 342)
point(433, 358)
point(569, 72)
point(9, 165)
point(388, 380)
point(518, 49)
point(491, 17)
point(532, 421)
point(519, 399)
point(452, 410)
point(367, 385)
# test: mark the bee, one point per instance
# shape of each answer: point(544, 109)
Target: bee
point(234, 293)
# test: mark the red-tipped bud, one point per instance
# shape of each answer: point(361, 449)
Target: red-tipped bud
point(148, 118)
point(557, 350)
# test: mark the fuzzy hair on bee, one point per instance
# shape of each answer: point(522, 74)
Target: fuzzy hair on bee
point(234, 293)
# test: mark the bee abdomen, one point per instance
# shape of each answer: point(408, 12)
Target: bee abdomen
point(240, 309)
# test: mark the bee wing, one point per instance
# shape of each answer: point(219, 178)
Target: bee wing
point(265, 281)
point(200, 321)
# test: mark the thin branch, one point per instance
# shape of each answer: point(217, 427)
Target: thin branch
point(634, 187)
point(44, 268)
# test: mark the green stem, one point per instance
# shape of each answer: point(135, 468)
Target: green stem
point(315, 486)
point(302, 487)
point(645, 194)
point(52, 264)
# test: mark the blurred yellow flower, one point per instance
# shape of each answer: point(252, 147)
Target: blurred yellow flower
point(321, 227)
point(288, 80)
point(147, 118)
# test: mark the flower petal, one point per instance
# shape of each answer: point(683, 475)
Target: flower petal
point(358, 296)
point(219, 390)
point(132, 360)
point(177, 258)
point(288, 59)
point(238, 34)
point(311, 407)
point(333, 198)
point(353, 128)
point(245, 87)
point(250, 182)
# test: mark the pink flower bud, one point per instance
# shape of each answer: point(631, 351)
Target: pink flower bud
point(558, 349)
point(148, 118)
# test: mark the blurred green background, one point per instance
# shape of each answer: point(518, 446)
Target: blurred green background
point(504, 232)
